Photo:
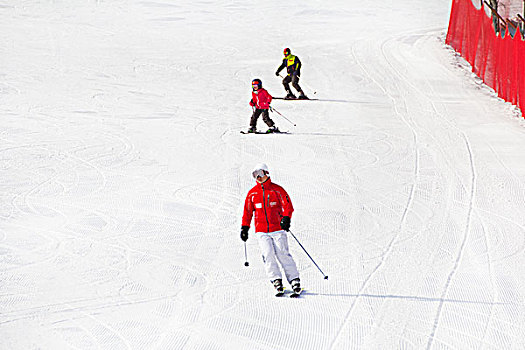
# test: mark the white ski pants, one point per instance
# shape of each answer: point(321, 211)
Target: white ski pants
point(274, 248)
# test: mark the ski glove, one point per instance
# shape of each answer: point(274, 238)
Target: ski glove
point(285, 223)
point(277, 73)
point(244, 233)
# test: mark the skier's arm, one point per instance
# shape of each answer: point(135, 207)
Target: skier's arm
point(281, 67)
point(286, 203)
point(248, 211)
point(298, 70)
point(269, 98)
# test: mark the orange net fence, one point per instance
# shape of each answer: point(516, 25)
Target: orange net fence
point(497, 59)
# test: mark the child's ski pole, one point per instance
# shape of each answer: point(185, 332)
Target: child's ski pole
point(276, 111)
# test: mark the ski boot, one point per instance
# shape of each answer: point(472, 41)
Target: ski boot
point(302, 96)
point(290, 96)
point(272, 129)
point(251, 130)
point(278, 284)
point(296, 287)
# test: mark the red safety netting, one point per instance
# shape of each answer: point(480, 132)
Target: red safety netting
point(498, 61)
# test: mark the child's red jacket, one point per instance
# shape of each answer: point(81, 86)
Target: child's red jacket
point(261, 99)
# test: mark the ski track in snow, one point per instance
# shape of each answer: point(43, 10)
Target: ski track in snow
point(467, 228)
point(407, 208)
point(123, 173)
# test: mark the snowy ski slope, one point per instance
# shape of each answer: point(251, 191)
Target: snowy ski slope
point(123, 173)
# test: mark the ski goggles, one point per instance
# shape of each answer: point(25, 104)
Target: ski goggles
point(258, 173)
point(255, 86)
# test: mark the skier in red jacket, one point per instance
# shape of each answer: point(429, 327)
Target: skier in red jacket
point(273, 211)
point(261, 100)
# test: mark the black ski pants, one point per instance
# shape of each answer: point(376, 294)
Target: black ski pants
point(265, 117)
point(294, 79)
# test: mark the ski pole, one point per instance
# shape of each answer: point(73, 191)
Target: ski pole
point(246, 263)
point(325, 276)
point(276, 111)
point(308, 87)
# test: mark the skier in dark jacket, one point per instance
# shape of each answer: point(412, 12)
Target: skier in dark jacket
point(293, 68)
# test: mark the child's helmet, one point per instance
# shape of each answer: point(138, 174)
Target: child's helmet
point(287, 52)
point(256, 84)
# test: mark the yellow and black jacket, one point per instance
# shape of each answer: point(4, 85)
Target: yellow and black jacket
point(292, 64)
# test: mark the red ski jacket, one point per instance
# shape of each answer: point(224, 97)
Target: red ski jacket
point(261, 99)
point(270, 202)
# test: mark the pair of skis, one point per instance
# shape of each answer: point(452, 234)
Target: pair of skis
point(264, 133)
point(296, 99)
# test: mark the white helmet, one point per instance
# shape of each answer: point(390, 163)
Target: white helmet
point(258, 168)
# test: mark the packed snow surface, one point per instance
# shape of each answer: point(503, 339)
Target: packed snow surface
point(123, 174)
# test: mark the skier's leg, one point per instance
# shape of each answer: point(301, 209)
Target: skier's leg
point(269, 258)
point(266, 118)
point(280, 241)
point(255, 116)
point(295, 84)
point(286, 82)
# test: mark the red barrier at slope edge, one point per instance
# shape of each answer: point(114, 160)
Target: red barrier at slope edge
point(494, 59)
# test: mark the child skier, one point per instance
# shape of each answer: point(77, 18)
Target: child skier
point(293, 68)
point(261, 100)
point(273, 211)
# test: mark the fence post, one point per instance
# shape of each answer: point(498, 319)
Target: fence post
point(523, 22)
point(495, 20)
point(522, 26)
